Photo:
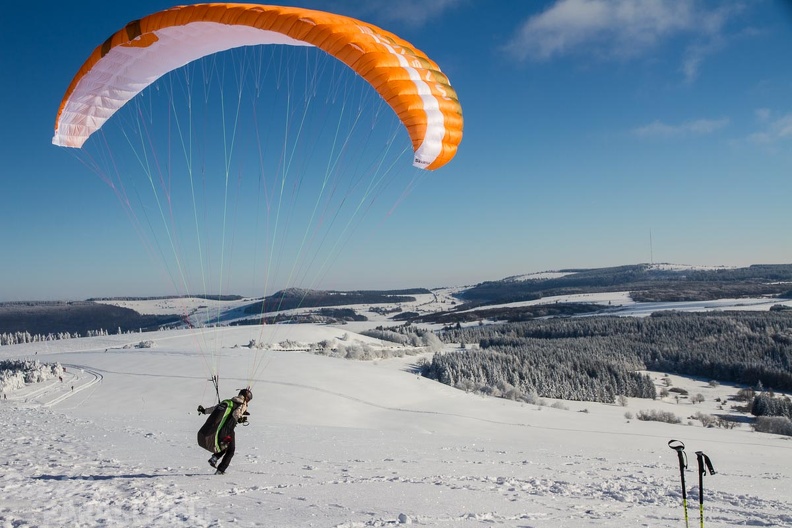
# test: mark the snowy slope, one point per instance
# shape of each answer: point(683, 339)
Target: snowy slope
point(340, 443)
point(208, 312)
point(620, 303)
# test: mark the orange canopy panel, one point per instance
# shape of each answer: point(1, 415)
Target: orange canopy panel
point(137, 55)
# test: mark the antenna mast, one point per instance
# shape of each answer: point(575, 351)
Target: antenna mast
point(651, 249)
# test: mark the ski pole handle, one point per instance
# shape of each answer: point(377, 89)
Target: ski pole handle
point(679, 447)
point(704, 463)
point(676, 445)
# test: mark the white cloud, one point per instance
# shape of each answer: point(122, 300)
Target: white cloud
point(698, 127)
point(623, 29)
point(762, 114)
point(775, 129)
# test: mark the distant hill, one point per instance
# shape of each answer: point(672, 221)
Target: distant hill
point(646, 282)
point(156, 298)
point(77, 317)
point(299, 298)
point(84, 317)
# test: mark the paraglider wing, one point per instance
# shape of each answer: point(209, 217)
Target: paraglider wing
point(134, 57)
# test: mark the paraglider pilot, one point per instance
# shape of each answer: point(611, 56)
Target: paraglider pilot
point(217, 434)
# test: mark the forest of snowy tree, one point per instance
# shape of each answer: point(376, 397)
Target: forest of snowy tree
point(597, 358)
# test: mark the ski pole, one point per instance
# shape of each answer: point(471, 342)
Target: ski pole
point(704, 465)
point(679, 447)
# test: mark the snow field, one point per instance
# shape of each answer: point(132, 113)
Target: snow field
point(339, 443)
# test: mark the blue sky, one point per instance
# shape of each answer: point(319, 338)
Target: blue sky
point(588, 125)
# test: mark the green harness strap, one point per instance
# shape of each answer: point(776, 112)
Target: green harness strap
point(228, 411)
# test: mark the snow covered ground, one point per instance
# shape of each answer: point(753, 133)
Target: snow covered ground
point(341, 443)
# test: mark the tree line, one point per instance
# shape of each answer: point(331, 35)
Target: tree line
point(17, 338)
point(597, 358)
point(767, 404)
